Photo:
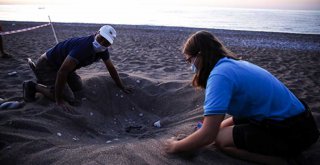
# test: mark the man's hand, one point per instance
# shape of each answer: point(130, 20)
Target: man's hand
point(114, 74)
point(62, 104)
point(170, 145)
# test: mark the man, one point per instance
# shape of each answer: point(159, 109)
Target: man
point(55, 69)
point(3, 54)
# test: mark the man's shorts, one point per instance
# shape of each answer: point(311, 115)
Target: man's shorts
point(285, 138)
point(46, 74)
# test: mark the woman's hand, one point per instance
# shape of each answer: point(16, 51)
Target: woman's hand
point(170, 145)
point(202, 137)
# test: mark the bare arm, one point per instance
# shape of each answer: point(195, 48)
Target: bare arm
point(204, 136)
point(114, 74)
point(67, 66)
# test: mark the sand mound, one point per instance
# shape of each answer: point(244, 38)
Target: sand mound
point(106, 117)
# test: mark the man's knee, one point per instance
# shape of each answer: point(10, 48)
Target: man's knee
point(75, 82)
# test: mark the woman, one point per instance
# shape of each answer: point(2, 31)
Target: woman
point(268, 122)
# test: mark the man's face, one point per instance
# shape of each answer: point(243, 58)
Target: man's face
point(102, 41)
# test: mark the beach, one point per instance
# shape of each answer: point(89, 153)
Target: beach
point(111, 127)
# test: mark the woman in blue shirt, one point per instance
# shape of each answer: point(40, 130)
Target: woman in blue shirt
point(267, 120)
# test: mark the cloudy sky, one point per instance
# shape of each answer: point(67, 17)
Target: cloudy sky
point(261, 4)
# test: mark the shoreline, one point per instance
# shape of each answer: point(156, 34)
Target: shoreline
point(305, 42)
point(158, 27)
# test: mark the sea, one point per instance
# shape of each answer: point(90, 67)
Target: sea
point(267, 20)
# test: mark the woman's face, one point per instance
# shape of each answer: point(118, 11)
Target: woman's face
point(188, 58)
point(192, 59)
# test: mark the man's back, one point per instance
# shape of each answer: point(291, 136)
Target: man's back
point(80, 49)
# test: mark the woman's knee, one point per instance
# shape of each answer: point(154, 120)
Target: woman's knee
point(224, 138)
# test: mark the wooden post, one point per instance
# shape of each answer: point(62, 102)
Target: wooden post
point(54, 32)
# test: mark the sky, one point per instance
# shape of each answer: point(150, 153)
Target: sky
point(260, 4)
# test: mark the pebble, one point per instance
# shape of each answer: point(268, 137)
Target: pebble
point(109, 141)
point(138, 81)
point(91, 114)
point(12, 73)
point(59, 134)
point(121, 96)
point(75, 139)
point(141, 114)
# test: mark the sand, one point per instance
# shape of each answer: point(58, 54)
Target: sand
point(110, 127)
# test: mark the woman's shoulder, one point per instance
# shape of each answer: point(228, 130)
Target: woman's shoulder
point(225, 64)
point(228, 68)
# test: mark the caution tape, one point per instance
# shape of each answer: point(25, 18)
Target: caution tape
point(23, 30)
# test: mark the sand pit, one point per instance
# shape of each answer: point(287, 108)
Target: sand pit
point(107, 117)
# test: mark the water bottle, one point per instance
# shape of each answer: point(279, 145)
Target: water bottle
point(11, 105)
point(163, 122)
point(199, 125)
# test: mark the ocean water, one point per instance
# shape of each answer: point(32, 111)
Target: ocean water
point(289, 21)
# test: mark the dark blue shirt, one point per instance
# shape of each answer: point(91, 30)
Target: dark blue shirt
point(79, 49)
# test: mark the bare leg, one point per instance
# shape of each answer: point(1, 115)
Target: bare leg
point(224, 141)
point(45, 91)
point(67, 92)
point(227, 122)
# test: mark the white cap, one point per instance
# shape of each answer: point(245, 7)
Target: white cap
point(108, 33)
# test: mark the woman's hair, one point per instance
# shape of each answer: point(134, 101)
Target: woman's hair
point(209, 51)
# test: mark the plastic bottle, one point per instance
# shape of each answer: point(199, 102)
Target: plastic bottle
point(199, 125)
point(163, 122)
point(11, 105)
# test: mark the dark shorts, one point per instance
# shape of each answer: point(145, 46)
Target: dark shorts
point(285, 138)
point(46, 74)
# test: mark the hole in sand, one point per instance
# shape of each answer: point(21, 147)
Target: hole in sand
point(112, 115)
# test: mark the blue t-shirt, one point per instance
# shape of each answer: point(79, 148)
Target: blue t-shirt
point(79, 49)
point(245, 90)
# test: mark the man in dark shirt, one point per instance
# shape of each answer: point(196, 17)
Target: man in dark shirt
point(55, 69)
